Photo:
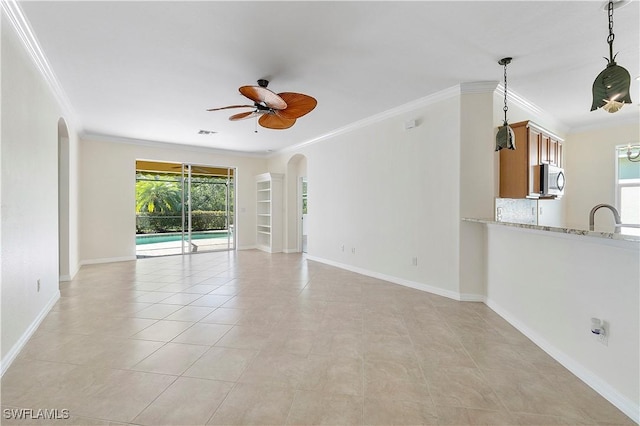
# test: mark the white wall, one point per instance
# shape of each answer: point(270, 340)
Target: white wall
point(391, 194)
point(550, 288)
point(74, 204)
point(590, 168)
point(478, 187)
point(68, 201)
point(107, 187)
point(29, 217)
point(296, 169)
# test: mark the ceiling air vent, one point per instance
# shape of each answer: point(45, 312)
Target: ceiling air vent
point(206, 132)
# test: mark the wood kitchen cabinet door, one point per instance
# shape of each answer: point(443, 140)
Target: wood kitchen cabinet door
point(533, 141)
point(516, 176)
point(553, 149)
point(536, 152)
point(545, 149)
point(559, 159)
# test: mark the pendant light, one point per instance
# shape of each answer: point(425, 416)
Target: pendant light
point(633, 158)
point(611, 87)
point(505, 137)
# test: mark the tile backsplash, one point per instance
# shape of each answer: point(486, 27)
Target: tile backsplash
point(512, 210)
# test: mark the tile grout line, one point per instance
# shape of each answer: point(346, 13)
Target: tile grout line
point(424, 377)
point(154, 399)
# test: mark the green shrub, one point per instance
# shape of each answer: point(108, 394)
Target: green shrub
point(153, 223)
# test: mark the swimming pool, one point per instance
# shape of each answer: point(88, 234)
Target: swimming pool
point(168, 237)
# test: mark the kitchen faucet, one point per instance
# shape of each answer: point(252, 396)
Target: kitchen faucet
point(616, 216)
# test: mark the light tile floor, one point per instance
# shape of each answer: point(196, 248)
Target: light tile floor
point(255, 338)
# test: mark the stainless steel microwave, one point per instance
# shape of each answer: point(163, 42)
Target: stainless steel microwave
point(552, 181)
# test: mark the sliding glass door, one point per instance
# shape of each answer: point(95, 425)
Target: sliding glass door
point(208, 216)
point(192, 208)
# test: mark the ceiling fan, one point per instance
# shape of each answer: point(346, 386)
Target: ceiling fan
point(276, 111)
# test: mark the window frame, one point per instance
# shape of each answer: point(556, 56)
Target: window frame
point(630, 182)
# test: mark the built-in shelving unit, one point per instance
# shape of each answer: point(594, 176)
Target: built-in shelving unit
point(269, 212)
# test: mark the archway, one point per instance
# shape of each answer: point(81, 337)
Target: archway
point(294, 228)
point(63, 201)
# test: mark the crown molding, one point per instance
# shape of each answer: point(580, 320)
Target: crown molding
point(478, 87)
point(537, 113)
point(30, 42)
point(393, 112)
point(519, 100)
point(96, 137)
point(475, 87)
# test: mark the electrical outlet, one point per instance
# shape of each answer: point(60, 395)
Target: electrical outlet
point(353, 250)
point(414, 261)
point(342, 247)
point(38, 285)
point(600, 330)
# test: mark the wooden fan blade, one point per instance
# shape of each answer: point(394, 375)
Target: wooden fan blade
point(297, 105)
point(272, 121)
point(231, 106)
point(243, 115)
point(262, 94)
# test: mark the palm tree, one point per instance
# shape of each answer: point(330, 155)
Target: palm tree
point(155, 196)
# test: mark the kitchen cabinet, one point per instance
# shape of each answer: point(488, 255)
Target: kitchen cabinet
point(555, 152)
point(269, 205)
point(519, 176)
point(550, 150)
point(545, 142)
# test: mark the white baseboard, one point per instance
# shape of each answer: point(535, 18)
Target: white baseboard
point(288, 251)
point(17, 347)
point(401, 281)
point(107, 260)
point(66, 278)
point(247, 248)
point(627, 406)
point(75, 270)
point(471, 297)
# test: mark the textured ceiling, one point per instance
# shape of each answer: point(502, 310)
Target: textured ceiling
point(148, 70)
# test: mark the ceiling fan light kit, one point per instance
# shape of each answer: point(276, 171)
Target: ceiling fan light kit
point(276, 111)
point(505, 138)
point(611, 87)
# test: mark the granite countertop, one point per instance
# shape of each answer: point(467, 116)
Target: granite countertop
point(571, 231)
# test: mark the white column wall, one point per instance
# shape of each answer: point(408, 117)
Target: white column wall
point(478, 187)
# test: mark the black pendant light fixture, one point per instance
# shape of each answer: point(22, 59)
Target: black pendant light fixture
point(633, 158)
point(611, 88)
point(505, 137)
